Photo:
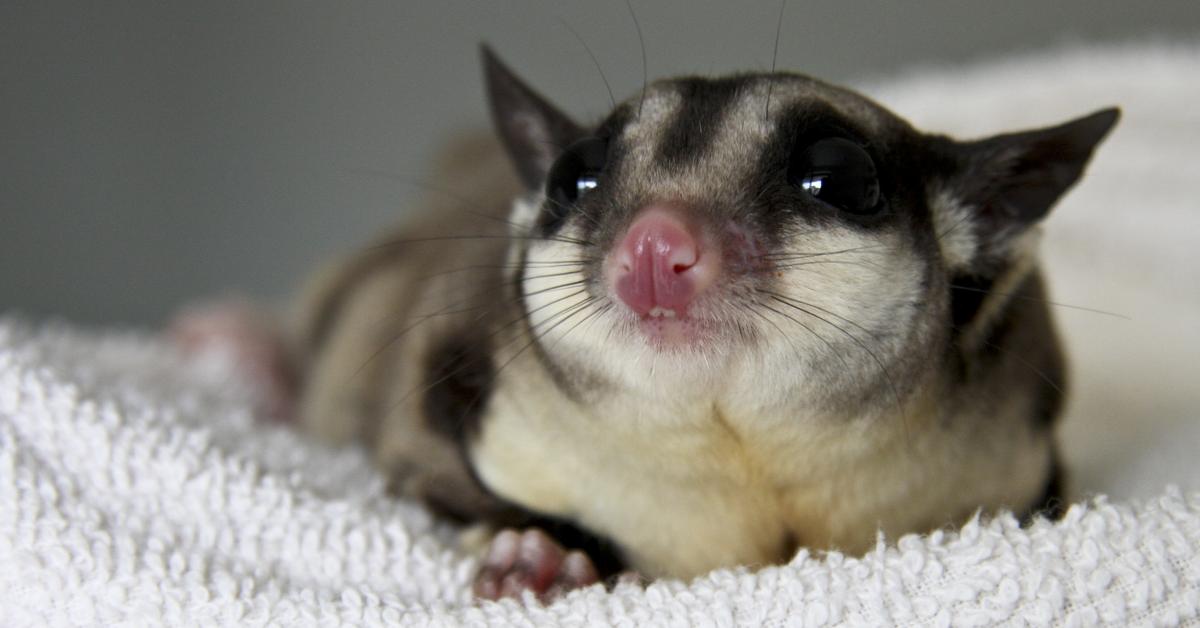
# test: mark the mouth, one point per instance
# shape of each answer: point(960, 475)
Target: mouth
point(666, 328)
point(661, 312)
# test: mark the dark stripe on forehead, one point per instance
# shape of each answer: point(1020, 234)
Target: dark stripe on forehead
point(704, 103)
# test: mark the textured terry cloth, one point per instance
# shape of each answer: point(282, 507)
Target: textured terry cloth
point(137, 489)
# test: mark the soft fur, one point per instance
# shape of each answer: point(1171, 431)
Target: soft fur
point(137, 490)
point(845, 374)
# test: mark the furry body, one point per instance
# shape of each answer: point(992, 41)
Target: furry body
point(845, 375)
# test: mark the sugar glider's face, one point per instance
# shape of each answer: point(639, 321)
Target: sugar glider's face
point(764, 223)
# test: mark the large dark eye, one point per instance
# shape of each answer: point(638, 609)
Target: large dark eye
point(839, 173)
point(575, 173)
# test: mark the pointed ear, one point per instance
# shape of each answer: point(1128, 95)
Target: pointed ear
point(533, 130)
point(1014, 179)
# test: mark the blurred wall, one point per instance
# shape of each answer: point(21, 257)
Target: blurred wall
point(155, 152)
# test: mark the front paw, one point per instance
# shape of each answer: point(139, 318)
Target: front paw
point(531, 561)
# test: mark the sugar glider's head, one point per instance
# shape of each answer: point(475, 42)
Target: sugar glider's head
point(765, 223)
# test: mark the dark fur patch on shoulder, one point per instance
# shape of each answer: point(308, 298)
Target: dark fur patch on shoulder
point(967, 295)
point(482, 505)
point(1022, 332)
point(459, 377)
point(1050, 398)
point(1052, 504)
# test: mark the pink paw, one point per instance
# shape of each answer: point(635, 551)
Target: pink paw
point(531, 561)
point(251, 337)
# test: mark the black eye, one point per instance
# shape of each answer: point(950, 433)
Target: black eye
point(575, 173)
point(839, 173)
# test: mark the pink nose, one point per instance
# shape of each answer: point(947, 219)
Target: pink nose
point(660, 264)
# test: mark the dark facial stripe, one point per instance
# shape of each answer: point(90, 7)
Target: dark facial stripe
point(460, 376)
point(690, 134)
point(1021, 335)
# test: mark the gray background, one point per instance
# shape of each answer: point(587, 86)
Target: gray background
point(155, 152)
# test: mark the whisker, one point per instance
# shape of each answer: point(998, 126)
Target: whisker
point(560, 286)
point(782, 333)
point(817, 307)
point(954, 226)
point(827, 263)
point(535, 310)
point(1017, 357)
point(561, 317)
point(642, 45)
point(883, 369)
point(493, 267)
point(611, 99)
point(552, 263)
point(607, 307)
point(1037, 300)
point(774, 58)
point(575, 266)
point(573, 311)
point(575, 210)
point(581, 321)
point(429, 187)
point(564, 273)
point(446, 311)
point(786, 256)
point(812, 331)
point(449, 238)
point(460, 369)
point(396, 338)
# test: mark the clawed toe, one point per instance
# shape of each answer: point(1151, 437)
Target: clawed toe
point(531, 561)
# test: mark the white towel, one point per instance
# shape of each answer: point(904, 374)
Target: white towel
point(137, 489)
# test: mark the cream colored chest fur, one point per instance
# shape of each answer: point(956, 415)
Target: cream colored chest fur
point(699, 485)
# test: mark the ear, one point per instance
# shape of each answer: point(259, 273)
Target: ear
point(1017, 177)
point(1009, 182)
point(534, 131)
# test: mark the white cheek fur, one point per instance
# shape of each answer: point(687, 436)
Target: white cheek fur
point(840, 315)
point(846, 306)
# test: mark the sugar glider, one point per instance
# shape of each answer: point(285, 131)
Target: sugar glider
point(735, 317)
